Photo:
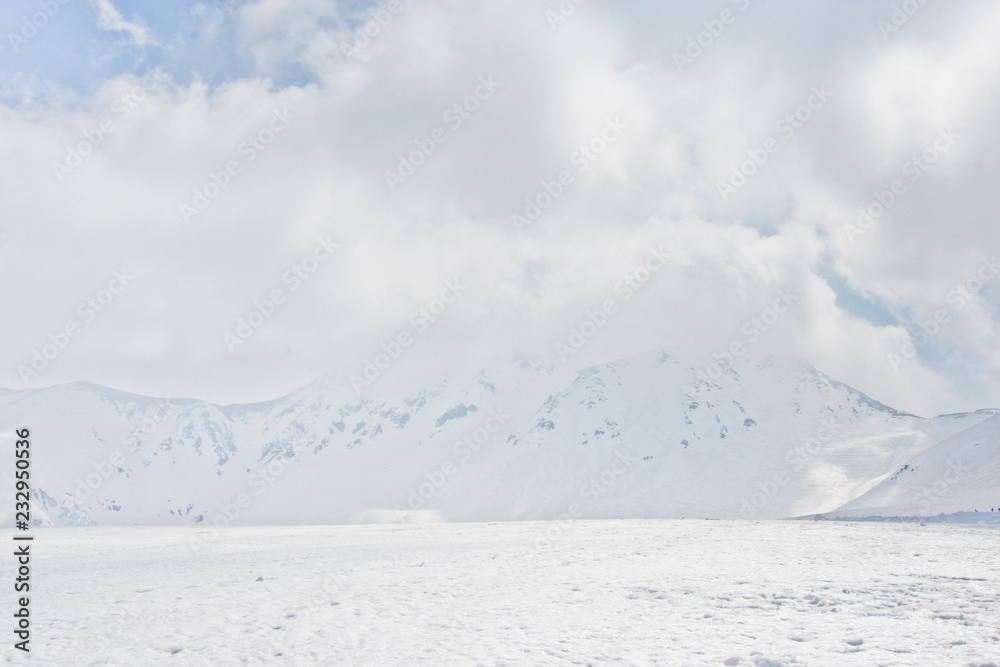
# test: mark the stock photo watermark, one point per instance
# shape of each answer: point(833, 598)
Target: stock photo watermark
point(379, 19)
point(769, 488)
point(464, 449)
point(89, 309)
point(790, 123)
point(562, 12)
point(702, 41)
point(940, 488)
point(914, 167)
point(958, 297)
point(454, 116)
point(265, 307)
point(248, 150)
point(595, 319)
point(589, 494)
point(901, 15)
point(115, 461)
point(95, 136)
point(752, 329)
point(581, 158)
point(420, 320)
point(228, 512)
point(33, 23)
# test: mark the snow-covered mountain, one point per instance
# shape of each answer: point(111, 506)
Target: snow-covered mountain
point(958, 474)
point(774, 439)
point(648, 436)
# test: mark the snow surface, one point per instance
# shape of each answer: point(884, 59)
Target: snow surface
point(668, 592)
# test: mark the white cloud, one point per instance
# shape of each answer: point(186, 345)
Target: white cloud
point(354, 116)
point(109, 18)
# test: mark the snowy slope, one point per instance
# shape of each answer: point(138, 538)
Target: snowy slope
point(116, 458)
point(645, 437)
point(961, 473)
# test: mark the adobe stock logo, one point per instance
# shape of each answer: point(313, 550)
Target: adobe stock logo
point(786, 126)
point(562, 13)
point(248, 150)
point(122, 108)
point(914, 167)
point(584, 155)
point(264, 308)
point(420, 320)
point(591, 491)
point(753, 329)
point(465, 449)
point(952, 476)
point(900, 16)
point(628, 286)
point(704, 40)
point(958, 297)
point(364, 35)
point(455, 116)
point(88, 309)
point(29, 28)
point(759, 499)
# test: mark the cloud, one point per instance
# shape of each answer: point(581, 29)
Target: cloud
point(109, 18)
point(402, 99)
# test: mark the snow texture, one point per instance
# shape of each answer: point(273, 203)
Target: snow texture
point(692, 593)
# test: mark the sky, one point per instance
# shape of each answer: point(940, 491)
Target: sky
point(227, 200)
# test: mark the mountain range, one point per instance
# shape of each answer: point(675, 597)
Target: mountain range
point(664, 434)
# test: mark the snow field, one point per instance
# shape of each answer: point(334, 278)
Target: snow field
point(667, 592)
